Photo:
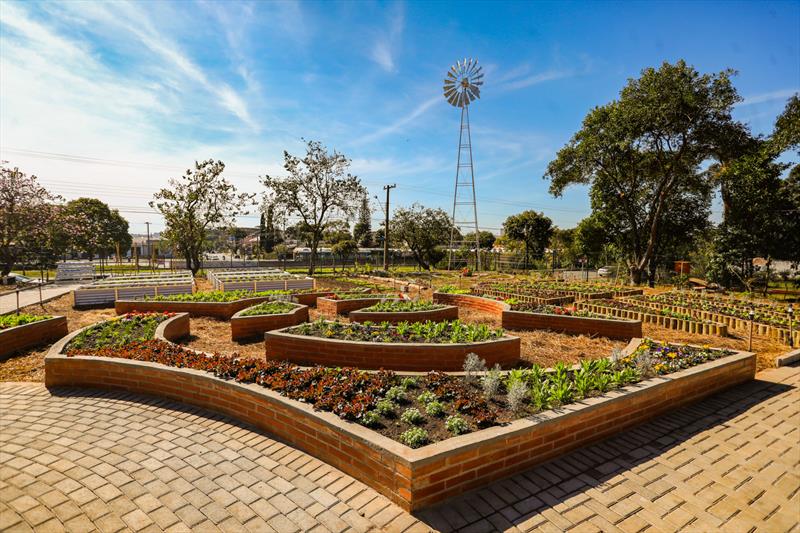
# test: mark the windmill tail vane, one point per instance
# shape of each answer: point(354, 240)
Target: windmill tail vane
point(461, 88)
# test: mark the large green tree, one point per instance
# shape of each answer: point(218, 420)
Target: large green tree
point(644, 151)
point(532, 229)
point(27, 214)
point(199, 201)
point(423, 230)
point(318, 188)
point(92, 227)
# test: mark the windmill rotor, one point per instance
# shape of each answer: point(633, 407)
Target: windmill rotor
point(462, 83)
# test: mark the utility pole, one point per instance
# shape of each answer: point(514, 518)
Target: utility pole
point(148, 245)
point(386, 188)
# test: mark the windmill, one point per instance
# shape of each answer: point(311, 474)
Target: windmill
point(461, 88)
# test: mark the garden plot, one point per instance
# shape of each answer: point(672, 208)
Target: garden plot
point(105, 292)
point(768, 319)
point(419, 440)
point(258, 280)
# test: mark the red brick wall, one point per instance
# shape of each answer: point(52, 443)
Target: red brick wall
point(477, 303)
point(25, 336)
point(220, 310)
point(306, 350)
point(451, 468)
point(613, 329)
point(411, 478)
point(244, 327)
point(435, 315)
point(330, 308)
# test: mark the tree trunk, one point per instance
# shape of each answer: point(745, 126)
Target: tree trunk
point(312, 259)
point(635, 273)
point(651, 276)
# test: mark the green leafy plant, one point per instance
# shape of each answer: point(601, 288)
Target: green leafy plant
point(412, 416)
point(426, 397)
point(371, 419)
point(409, 383)
point(434, 408)
point(385, 407)
point(414, 437)
point(456, 425)
point(403, 306)
point(396, 394)
point(269, 308)
point(10, 321)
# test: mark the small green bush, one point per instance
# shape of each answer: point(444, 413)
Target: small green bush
point(412, 416)
point(414, 437)
point(456, 425)
point(396, 394)
point(385, 407)
point(426, 397)
point(434, 408)
point(409, 383)
point(371, 419)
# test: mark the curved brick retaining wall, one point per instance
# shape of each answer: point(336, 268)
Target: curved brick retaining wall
point(307, 350)
point(219, 310)
point(21, 337)
point(435, 315)
point(604, 327)
point(246, 327)
point(470, 301)
point(413, 478)
point(329, 307)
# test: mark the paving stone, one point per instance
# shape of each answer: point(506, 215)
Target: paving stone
point(119, 461)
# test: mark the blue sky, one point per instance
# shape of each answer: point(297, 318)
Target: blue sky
point(111, 99)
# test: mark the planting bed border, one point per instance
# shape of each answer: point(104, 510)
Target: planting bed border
point(330, 308)
point(25, 336)
point(471, 301)
point(603, 327)
point(281, 345)
point(86, 297)
point(254, 326)
point(412, 478)
point(680, 324)
point(732, 322)
point(218, 310)
point(526, 298)
point(449, 312)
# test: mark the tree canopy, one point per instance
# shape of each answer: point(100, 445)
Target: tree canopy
point(644, 151)
point(91, 226)
point(423, 230)
point(27, 212)
point(201, 200)
point(317, 189)
point(532, 229)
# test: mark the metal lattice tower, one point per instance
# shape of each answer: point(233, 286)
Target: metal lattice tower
point(461, 87)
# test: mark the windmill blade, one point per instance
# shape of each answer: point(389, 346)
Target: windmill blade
point(453, 99)
point(474, 91)
point(448, 84)
point(479, 75)
point(451, 75)
point(449, 92)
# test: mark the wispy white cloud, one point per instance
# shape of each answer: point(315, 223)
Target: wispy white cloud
point(400, 123)
point(783, 94)
point(384, 49)
point(517, 82)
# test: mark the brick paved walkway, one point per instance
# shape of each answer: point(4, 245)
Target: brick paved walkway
point(117, 461)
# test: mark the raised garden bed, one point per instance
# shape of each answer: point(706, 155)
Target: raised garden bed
point(404, 311)
point(622, 309)
point(254, 321)
point(332, 305)
point(258, 280)
point(394, 347)
point(475, 303)
point(216, 304)
point(413, 478)
point(105, 292)
point(570, 321)
point(127, 328)
point(18, 332)
point(768, 320)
